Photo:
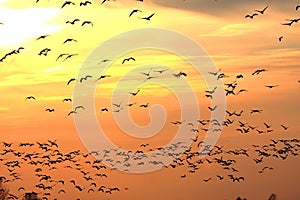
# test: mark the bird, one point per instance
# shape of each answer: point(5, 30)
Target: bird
point(61, 55)
point(288, 24)
point(103, 76)
point(77, 107)
point(67, 99)
point(50, 110)
point(240, 76)
point(147, 73)
point(72, 22)
point(255, 111)
point(297, 7)
point(85, 3)
point(87, 22)
point(71, 80)
point(105, 1)
point(212, 108)
point(134, 93)
point(72, 112)
point(206, 180)
point(256, 72)
point(117, 105)
point(144, 105)
point(30, 97)
point(148, 18)
point(284, 127)
point(267, 125)
point(160, 71)
point(67, 3)
point(79, 188)
point(42, 37)
point(280, 38)
point(251, 16)
point(85, 78)
point(131, 104)
point(70, 56)
point(69, 40)
point(104, 60)
point(271, 86)
point(262, 11)
point(128, 59)
point(104, 110)
point(241, 90)
point(134, 11)
point(44, 52)
point(149, 78)
point(178, 75)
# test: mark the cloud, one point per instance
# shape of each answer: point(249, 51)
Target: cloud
point(227, 8)
point(231, 30)
point(22, 24)
point(3, 109)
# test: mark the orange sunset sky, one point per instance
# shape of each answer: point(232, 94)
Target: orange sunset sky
point(237, 45)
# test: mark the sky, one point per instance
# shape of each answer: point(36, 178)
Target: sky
point(192, 37)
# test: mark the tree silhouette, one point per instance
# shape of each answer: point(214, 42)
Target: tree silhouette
point(31, 196)
point(3, 191)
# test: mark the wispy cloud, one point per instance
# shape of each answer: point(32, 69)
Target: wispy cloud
point(231, 30)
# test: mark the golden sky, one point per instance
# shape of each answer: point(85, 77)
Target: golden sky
point(235, 44)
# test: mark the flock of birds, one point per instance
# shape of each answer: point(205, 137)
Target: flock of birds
point(261, 12)
point(47, 159)
point(89, 174)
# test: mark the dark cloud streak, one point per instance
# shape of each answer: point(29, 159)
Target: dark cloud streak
point(228, 8)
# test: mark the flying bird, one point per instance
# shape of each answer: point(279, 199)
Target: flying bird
point(67, 3)
point(280, 38)
point(61, 55)
point(251, 16)
point(104, 60)
point(44, 52)
point(71, 80)
point(85, 3)
point(134, 93)
point(69, 40)
point(255, 111)
point(288, 24)
point(180, 74)
point(256, 72)
point(144, 105)
point(161, 71)
point(42, 37)
point(70, 56)
point(87, 22)
point(148, 18)
point(128, 59)
point(134, 11)
point(30, 97)
point(72, 112)
point(240, 76)
point(85, 78)
point(284, 127)
point(72, 22)
point(67, 99)
point(79, 107)
point(271, 86)
point(50, 110)
point(262, 11)
point(104, 110)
